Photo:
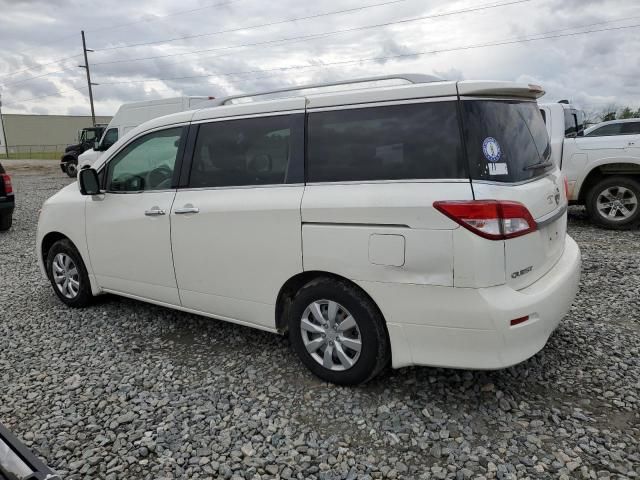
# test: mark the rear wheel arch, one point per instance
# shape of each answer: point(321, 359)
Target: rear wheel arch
point(295, 283)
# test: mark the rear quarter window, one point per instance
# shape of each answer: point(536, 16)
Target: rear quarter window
point(396, 142)
point(504, 139)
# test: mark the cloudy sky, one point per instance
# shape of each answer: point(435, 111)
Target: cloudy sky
point(217, 47)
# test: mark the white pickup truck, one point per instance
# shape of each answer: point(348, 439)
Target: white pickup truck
point(603, 171)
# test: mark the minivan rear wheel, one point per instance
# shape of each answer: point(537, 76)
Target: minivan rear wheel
point(338, 332)
point(68, 274)
point(614, 202)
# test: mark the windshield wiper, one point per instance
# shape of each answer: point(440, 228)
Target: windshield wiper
point(535, 166)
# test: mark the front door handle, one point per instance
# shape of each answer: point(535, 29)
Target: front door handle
point(186, 209)
point(154, 211)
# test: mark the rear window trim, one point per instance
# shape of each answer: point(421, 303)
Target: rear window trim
point(522, 182)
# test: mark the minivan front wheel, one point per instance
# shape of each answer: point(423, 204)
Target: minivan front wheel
point(614, 203)
point(68, 274)
point(338, 332)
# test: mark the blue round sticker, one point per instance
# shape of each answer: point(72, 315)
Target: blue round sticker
point(491, 149)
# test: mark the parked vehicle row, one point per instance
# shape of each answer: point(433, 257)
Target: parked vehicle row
point(416, 224)
point(86, 139)
point(130, 115)
point(602, 168)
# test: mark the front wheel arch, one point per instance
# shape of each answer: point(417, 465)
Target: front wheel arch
point(47, 242)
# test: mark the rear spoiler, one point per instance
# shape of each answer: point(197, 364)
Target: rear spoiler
point(499, 89)
point(17, 462)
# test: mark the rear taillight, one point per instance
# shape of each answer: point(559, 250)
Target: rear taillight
point(492, 219)
point(6, 179)
point(566, 187)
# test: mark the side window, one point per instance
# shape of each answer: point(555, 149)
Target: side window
point(631, 128)
point(251, 151)
point(570, 124)
point(110, 137)
point(413, 141)
point(611, 129)
point(145, 164)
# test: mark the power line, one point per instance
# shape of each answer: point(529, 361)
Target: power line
point(390, 2)
point(294, 39)
point(251, 27)
point(541, 36)
point(146, 20)
point(50, 42)
point(376, 59)
point(161, 17)
point(58, 93)
point(40, 65)
point(325, 34)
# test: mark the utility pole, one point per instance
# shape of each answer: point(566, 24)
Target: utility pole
point(4, 134)
point(86, 67)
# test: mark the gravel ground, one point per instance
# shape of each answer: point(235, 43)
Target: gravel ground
point(126, 390)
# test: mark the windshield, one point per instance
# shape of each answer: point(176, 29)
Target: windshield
point(506, 140)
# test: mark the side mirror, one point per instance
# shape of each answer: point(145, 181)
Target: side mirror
point(89, 182)
point(96, 145)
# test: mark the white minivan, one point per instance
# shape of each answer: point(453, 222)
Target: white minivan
point(412, 224)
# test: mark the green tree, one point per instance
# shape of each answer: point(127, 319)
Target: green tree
point(626, 112)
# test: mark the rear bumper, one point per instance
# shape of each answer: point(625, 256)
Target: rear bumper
point(471, 328)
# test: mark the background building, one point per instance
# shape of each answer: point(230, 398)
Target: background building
point(42, 136)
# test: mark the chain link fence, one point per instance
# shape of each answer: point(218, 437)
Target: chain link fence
point(37, 152)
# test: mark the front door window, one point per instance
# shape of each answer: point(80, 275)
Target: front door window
point(146, 163)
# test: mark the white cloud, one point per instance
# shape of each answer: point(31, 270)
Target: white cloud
point(593, 69)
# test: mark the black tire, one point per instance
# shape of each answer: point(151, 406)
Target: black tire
point(375, 350)
point(613, 182)
point(83, 297)
point(71, 169)
point(5, 222)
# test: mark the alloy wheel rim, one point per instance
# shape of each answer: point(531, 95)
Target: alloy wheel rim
point(331, 335)
point(66, 275)
point(617, 203)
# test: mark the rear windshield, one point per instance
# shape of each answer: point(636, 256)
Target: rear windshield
point(506, 140)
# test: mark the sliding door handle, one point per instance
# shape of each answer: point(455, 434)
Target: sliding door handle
point(186, 209)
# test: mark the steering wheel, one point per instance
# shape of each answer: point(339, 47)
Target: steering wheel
point(128, 182)
point(160, 178)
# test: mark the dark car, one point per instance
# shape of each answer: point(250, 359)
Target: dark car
point(7, 200)
point(17, 462)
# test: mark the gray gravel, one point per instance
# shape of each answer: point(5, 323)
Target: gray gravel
point(126, 390)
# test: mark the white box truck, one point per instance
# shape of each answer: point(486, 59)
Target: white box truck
point(130, 115)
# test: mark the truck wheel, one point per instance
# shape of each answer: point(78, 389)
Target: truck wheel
point(5, 222)
point(614, 203)
point(72, 170)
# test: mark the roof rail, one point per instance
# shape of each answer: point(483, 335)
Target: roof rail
point(409, 77)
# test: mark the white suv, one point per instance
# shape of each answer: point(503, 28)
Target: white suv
point(418, 224)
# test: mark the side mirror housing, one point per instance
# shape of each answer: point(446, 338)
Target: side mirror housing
point(96, 145)
point(89, 182)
